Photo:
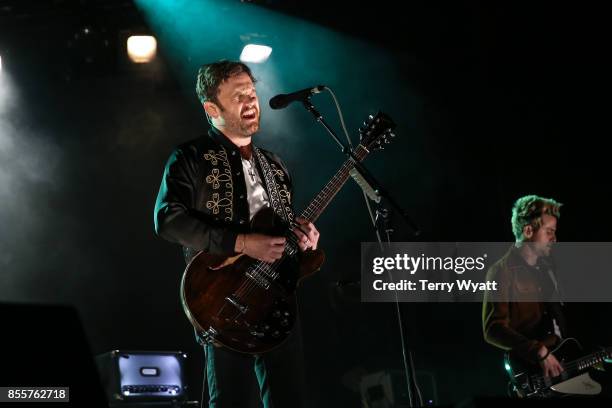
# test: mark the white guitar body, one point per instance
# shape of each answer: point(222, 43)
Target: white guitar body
point(528, 380)
point(582, 384)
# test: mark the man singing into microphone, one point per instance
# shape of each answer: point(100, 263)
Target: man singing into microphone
point(211, 188)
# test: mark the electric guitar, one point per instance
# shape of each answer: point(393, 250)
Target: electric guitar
point(248, 305)
point(528, 380)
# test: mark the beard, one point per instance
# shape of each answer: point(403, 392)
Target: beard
point(243, 127)
point(251, 127)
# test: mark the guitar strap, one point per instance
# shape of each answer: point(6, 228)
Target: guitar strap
point(554, 307)
point(278, 202)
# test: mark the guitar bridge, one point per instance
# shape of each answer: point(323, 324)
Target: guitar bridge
point(242, 308)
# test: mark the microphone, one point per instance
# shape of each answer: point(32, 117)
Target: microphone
point(281, 101)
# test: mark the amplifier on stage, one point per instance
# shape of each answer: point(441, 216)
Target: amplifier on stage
point(143, 375)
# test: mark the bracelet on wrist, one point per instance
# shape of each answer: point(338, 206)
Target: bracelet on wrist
point(544, 357)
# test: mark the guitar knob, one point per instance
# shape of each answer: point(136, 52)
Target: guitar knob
point(284, 322)
point(256, 334)
point(276, 313)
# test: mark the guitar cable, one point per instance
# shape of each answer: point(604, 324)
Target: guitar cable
point(205, 381)
point(552, 351)
point(407, 356)
point(510, 389)
point(350, 144)
point(563, 342)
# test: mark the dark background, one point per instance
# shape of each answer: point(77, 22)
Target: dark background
point(492, 102)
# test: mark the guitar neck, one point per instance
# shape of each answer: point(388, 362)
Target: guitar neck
point(321, 201)
point(591, 360)
point(578, 365)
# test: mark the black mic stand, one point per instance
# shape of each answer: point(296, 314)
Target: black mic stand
point(310, 108)
point(384, 227)
point(383, 214)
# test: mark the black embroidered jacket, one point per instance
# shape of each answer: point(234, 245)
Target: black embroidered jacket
point(202, 201)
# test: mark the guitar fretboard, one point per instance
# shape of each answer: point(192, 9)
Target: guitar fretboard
point(322, 200)
point(576, 366)
point(591, 360)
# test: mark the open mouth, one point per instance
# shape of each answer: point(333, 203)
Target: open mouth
point(249, 115)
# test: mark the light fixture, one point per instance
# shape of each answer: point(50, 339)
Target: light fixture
point(255, 53)
point(141, 48)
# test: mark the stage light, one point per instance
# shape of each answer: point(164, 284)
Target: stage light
point(255, 53)
point(141, 48)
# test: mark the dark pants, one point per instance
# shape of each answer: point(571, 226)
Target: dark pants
point(233, 378)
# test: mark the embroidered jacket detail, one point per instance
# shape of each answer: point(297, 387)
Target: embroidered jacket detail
point(220, 178)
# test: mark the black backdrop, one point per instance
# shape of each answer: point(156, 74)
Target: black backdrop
point(510, 104)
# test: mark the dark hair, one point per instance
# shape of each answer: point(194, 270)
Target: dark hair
point(210, 76)
point(528, 210)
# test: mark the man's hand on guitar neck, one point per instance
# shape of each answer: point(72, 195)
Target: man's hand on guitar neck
point(550, 365)
point(259, 246)
point(307, 233)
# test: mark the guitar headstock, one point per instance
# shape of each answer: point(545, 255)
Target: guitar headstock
point(376, 131)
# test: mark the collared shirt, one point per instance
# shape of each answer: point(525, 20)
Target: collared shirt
point(256, 193)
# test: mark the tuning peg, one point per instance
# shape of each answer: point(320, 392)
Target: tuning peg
point(387, 141)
